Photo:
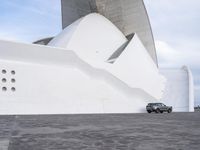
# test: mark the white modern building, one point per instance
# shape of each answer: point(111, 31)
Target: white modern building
point(104, 61)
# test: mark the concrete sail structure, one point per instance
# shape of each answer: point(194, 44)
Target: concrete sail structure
point(90, 67)
point(129, 16)
point(109, 39)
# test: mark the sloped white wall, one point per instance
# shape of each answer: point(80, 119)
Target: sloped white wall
point(137, 69)
point(56, 81)
point(94, 39)
point(91, 37)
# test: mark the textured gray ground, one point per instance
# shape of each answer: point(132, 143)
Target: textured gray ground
point(104, 132)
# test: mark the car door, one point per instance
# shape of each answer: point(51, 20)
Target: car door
point(163, 107)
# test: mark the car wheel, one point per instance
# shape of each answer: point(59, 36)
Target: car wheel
point(157, 110)
point(169, 111)
point(149, 111)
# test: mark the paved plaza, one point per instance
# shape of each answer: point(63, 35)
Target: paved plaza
point(180, 131)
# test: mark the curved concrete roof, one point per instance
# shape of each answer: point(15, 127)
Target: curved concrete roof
point(129, 16)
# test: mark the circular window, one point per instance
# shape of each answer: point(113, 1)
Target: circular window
point(13, 89)
point(4, 89)
point(13, 80)
point(4, 80)
point(13, 72)
point(3, 71)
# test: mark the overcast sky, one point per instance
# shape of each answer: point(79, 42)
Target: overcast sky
point(175, 24)
point(176, 29)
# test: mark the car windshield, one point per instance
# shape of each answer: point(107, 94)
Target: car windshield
point(158, 104)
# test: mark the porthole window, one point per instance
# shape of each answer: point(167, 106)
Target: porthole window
point(4, 80)
point(8, 84)
point(3, 71)
point(4, 89)
point(13, 89)
point(13, 80)
point(13, 72)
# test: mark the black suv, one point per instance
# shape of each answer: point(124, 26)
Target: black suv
point(158, 108)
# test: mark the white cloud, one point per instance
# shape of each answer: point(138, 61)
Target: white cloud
point(176, 22)
point(197, 88)
point(170, 57)
point(167, 56)
point(177, 56)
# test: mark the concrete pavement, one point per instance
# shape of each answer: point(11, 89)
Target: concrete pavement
point(180, 131)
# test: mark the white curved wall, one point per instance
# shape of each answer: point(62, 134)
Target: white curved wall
point(62, 40)
point(56, 81)
point(179, 89)
point(78, 78)
point(52, 80)
point(134, 66)
point(191, 88)
point(137, 69)
point(91, 37)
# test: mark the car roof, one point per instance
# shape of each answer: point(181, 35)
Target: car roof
point(154, 103)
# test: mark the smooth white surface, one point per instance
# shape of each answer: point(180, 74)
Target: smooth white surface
point(95, 39)
point(191, 88)
point(77, 78)
point(91, 37)
point(51, 81)
point(137, 69)
point(178, 92)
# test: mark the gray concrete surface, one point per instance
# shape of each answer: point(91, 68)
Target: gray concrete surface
point(129, 16)
point(180, 131)
point(44, 41)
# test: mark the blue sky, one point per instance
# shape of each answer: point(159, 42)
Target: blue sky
point(175, 25)
point(29, 20)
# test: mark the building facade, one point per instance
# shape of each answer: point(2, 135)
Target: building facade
point(104, 61)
